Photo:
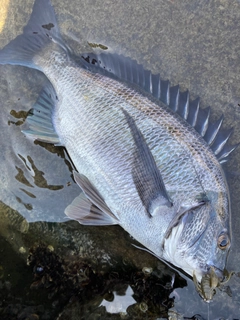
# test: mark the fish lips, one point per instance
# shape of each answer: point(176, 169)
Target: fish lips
point(218, 273)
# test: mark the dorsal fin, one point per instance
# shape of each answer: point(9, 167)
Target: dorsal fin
point(126, 69)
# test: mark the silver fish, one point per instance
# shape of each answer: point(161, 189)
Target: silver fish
point(147, 158)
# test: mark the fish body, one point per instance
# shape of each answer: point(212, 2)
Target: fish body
point(140, 164)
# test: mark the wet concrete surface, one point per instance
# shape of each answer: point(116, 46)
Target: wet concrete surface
point(192, 43)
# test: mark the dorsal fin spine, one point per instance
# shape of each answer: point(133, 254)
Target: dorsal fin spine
point(186, 107)
point(174, 98)
point(226, 152)
point(213, 130)
point(206, 122)
point(151, 87)
point(218, 147)
point(156, 89)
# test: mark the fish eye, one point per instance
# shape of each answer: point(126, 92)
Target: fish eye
point(223, 241)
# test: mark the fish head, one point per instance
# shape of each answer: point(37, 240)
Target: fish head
point(199, 242)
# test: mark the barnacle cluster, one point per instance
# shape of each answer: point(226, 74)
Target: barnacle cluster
point(152, 292)
point(73, 278)
point(61, 284)
point(69, 276)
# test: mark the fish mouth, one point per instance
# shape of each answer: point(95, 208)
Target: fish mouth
point(214, 278)
point(223, 275)
point(215, 272)
point(209, 282)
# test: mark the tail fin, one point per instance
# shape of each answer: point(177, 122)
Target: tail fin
point(41, 30)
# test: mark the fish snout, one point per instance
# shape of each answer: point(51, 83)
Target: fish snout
point(214, 278)
point(209, 282)
point(216, 275)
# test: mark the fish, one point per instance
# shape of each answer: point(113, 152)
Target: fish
point(145, 156)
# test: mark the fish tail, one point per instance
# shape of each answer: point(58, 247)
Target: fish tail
point(41, 31)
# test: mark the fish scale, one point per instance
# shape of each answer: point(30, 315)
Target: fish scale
point(146, 156)
point(106, 117)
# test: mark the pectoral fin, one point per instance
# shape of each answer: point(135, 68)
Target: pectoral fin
point(146, 175)
point(90, 209)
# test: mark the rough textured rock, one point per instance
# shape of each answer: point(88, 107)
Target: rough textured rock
point(192, 43)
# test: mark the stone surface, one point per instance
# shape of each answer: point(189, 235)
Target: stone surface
point(192, 43)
